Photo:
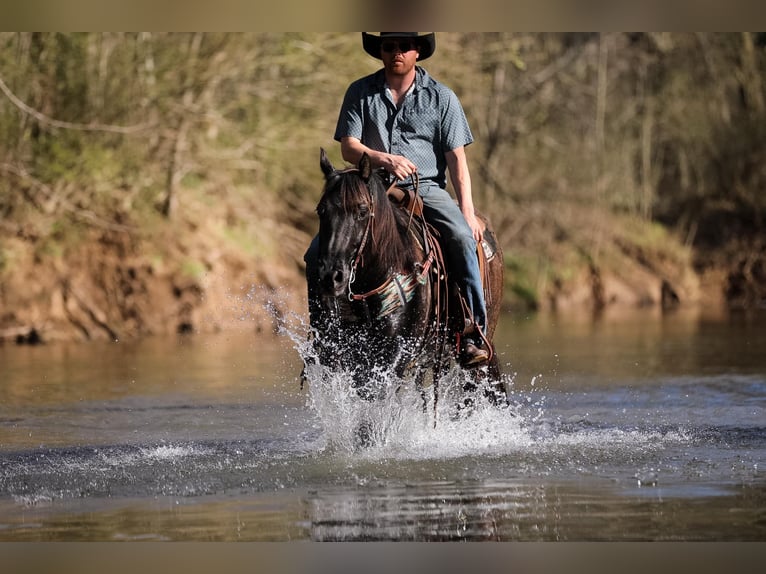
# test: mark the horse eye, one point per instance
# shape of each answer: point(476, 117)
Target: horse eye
point(363, 212)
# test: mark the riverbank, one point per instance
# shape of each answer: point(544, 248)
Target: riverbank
point(111, 285)
point(118, 286)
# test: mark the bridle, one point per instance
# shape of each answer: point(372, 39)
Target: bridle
point(368, 231)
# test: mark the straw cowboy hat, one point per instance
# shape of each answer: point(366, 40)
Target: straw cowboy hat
point(426, 42)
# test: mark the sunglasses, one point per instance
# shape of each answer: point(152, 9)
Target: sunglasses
point(402, 45)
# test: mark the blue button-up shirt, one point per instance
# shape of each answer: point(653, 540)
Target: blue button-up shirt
point(429, 122)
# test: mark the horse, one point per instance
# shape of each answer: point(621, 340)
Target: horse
point(380, 298)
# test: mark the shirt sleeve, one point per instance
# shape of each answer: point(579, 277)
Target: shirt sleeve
point(455, 131)
point(350, 117)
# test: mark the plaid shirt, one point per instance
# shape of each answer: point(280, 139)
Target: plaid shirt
point(429, 122)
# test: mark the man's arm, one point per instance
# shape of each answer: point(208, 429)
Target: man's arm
point(398, 166)
point(457, 163)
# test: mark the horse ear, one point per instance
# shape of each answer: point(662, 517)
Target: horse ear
point(365, 167)
point(325, 164)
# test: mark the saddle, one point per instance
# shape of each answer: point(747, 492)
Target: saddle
point(406, 199)
point(486, 249)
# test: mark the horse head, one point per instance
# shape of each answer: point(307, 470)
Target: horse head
point(346, 213)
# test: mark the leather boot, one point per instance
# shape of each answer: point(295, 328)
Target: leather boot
point(472, 352)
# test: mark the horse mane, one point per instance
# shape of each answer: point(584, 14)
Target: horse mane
point(388, 235)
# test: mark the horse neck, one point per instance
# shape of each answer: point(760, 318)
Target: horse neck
point(388, 250)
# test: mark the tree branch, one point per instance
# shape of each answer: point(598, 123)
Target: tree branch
point(91, 217)
point(45, 120)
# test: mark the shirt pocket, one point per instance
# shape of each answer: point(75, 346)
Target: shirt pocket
point(420, 124)
point(407, 123)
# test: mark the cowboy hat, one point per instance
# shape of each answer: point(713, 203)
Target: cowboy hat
point(426, 42)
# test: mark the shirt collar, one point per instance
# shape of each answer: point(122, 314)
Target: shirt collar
point(421, 77)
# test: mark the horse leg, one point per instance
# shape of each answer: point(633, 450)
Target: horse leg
point(362, 385)
point(494, 389)
point(369, 389)
point(419, 379)
point(488, 378)
point(440, 368)
point(364, 438)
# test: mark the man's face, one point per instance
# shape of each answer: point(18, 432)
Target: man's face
point(399, 55)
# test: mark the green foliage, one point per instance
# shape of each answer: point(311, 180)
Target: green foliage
point(193, 269)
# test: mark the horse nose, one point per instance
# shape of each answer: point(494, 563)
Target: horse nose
point(333, 279)
point(339, 279)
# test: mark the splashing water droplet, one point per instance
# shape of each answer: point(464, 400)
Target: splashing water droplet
point(402, 421)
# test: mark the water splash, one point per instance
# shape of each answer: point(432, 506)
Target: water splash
point(403, 422)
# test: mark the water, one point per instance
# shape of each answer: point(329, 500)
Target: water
point(638, 428)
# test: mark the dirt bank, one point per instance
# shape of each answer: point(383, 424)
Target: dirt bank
point(112, 286)
point(208, 272)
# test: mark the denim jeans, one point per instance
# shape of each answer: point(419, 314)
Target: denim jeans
point(441, 211)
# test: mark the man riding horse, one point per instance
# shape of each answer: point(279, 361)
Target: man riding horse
point(414, 128)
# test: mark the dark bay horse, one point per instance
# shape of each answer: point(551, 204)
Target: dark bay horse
point(380, 297)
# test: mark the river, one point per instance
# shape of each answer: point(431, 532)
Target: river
point(643, 427)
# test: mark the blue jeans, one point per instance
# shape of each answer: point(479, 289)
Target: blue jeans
point(441, 211)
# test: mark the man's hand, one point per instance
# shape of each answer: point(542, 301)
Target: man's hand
point(399, 166)
point(474, 224)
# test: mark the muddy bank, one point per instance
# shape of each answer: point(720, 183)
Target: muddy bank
point(214, 270)
point(115, 286)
